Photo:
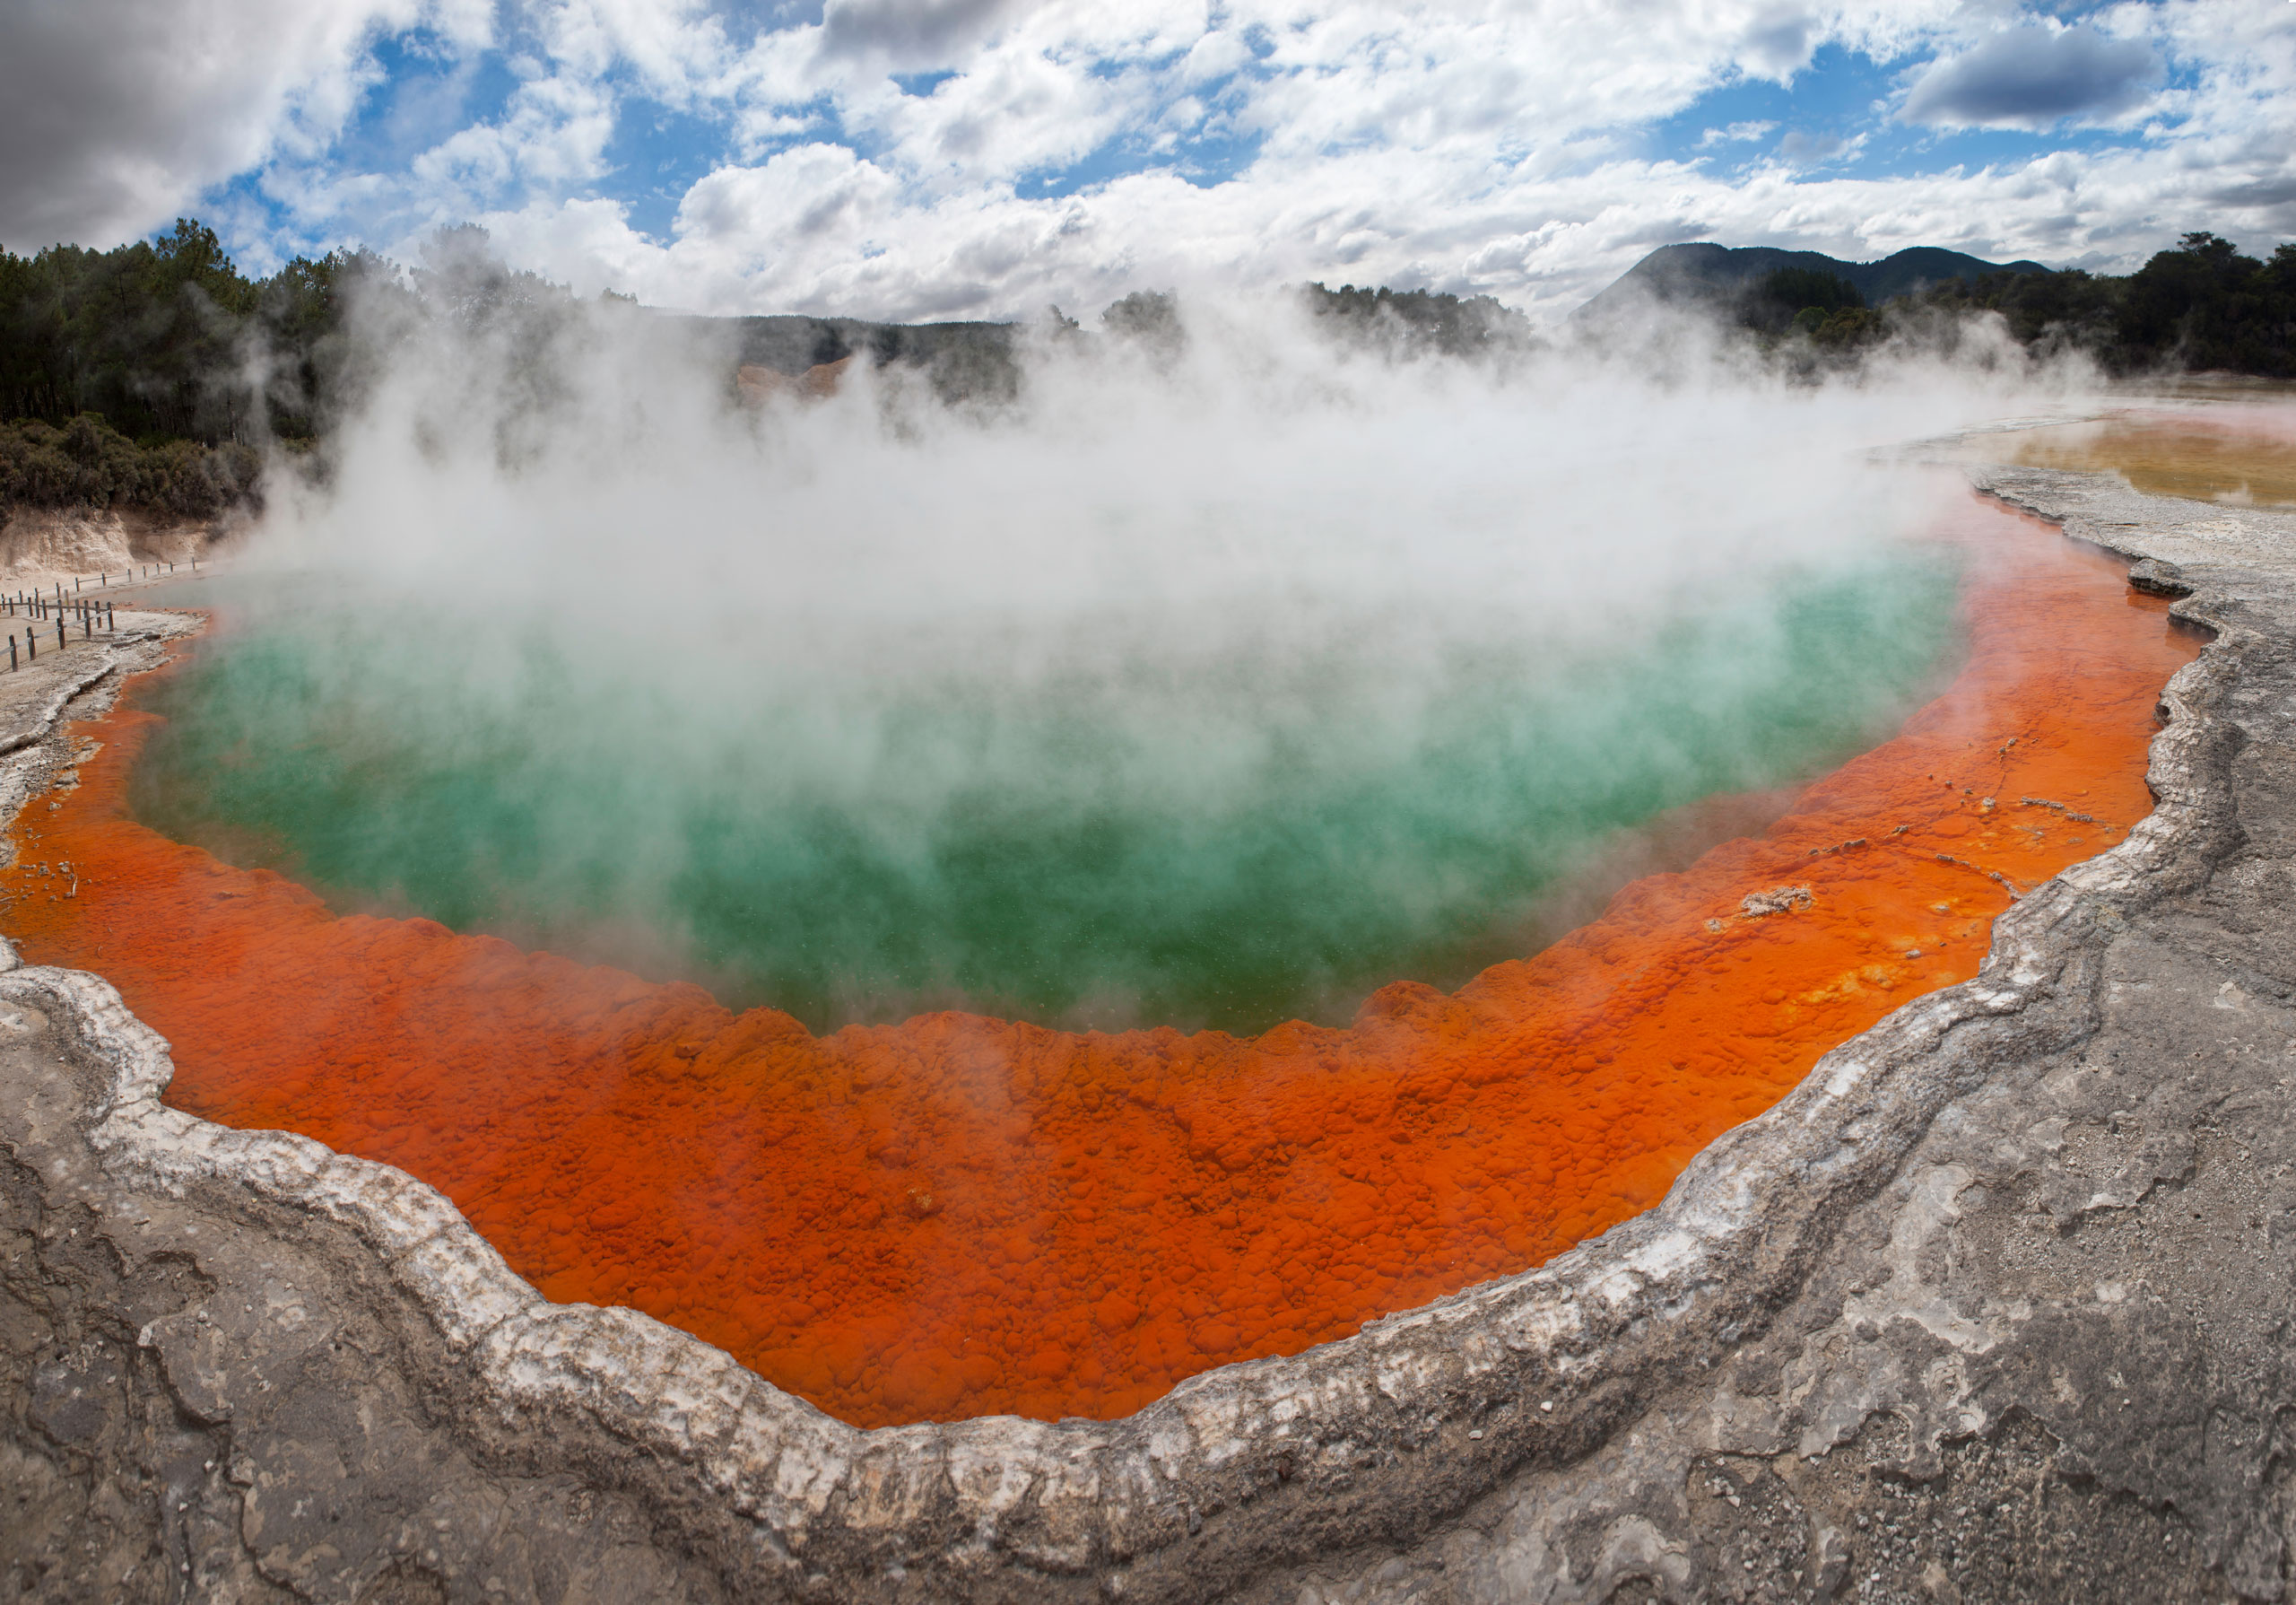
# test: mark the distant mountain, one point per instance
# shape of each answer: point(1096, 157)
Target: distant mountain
point(1711, 273)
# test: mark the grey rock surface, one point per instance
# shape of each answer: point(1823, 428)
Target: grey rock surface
point(1991, 1307)
point(2050, 1358)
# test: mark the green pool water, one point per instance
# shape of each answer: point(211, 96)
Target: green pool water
point(1225, 837)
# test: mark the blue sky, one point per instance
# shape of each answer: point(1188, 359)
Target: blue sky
point(1839, 107)
point(970, 157)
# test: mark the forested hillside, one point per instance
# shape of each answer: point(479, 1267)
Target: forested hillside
point(156, 374)
point(156, 336)
point(1420, 320)
point(2201, 307)
point(149, 375)
point(1707, 274)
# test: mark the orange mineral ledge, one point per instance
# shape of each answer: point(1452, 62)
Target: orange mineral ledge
point(960, 1216)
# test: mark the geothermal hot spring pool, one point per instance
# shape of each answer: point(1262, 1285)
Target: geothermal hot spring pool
point(949, 1051)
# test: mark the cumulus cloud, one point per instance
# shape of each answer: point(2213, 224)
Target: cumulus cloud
point(114, 113)
point(1069, 151)
point(1778, 43)
point(1735, 133)
point(813, 193)
point(2035, 76)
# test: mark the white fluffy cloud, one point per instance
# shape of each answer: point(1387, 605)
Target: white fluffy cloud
point(114, 113)
point(981, 158)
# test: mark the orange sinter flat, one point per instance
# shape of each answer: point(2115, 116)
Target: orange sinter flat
point(960, 1216)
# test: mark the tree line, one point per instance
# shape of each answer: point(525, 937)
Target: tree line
point(2203, 306)
point(153, 374)
point(157, 374)
point(1419, 321)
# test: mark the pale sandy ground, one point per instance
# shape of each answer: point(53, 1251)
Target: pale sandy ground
point(44, 545)
point(112, 585)
point(129, 616)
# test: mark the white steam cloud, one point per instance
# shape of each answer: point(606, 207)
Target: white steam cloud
point(1269, 486)
point(1171, 590)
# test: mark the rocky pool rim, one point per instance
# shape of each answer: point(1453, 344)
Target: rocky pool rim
point(1366, 1438)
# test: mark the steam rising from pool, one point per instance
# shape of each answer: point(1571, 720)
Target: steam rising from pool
point(1209, 691)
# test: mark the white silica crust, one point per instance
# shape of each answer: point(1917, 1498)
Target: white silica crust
point(1242, 1466)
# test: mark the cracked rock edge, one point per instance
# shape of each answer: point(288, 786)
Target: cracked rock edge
point(1370, 1438)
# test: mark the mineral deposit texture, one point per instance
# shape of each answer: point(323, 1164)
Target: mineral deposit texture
point(962, 1216)
point(1991, 1304)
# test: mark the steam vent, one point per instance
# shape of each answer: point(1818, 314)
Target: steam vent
point(1880, 1188)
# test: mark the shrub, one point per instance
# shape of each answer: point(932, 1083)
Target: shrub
point(87, 463)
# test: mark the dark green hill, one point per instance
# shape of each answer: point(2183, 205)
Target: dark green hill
point(1677, 274)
